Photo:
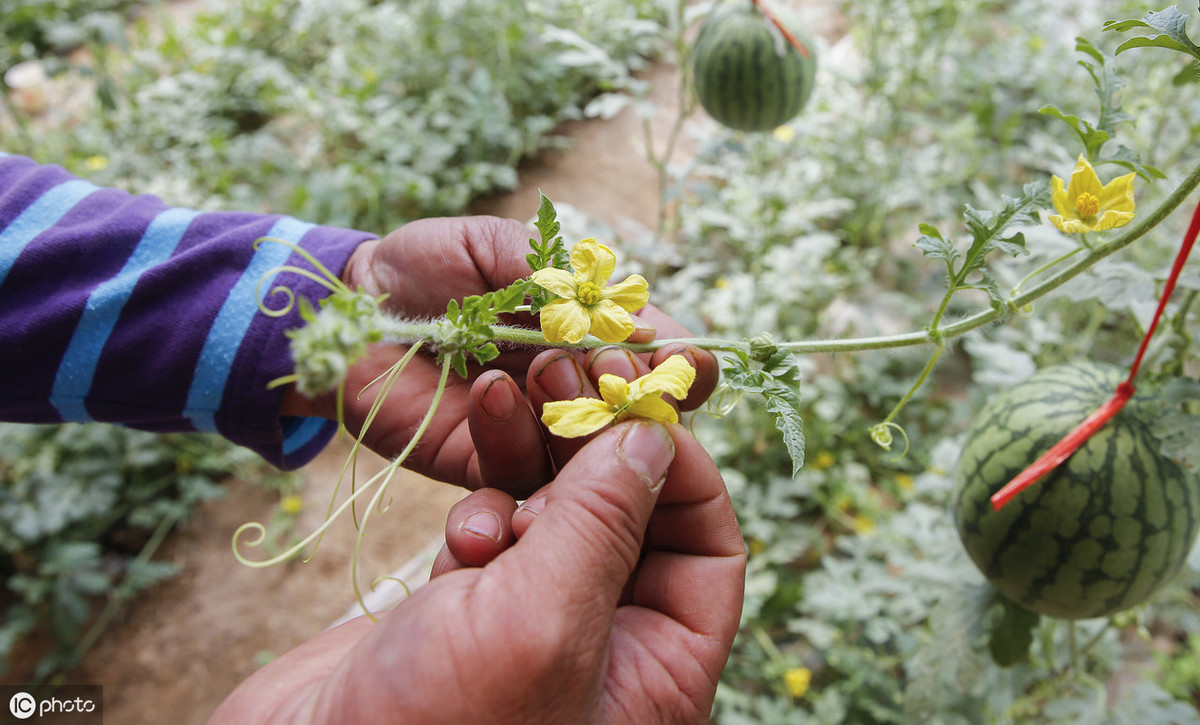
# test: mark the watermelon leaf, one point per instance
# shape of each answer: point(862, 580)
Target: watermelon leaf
point(1171, 26)
point(773, 375)
point(549, 251)
point(1012, 634)
point(990, 230)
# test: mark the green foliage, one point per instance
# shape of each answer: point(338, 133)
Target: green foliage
point(468, 326)
point(927, 108)
point(1169, 23)
point(358, 113)
point(548, 252)
point(990, 232)
point(773, 374)
point(82, 509)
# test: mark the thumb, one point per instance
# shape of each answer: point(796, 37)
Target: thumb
point(587, 540)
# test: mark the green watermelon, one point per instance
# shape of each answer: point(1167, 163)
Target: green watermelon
point(747, 75)
point(1102, 532)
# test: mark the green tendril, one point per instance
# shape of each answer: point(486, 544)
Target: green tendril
point(390, 471)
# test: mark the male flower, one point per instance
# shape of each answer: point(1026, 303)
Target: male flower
point(585, 304)
point(623, 400)
point(1086, 205)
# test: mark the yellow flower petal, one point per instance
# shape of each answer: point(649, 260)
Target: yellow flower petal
point(555, 281)
point(797, 680)
point(565, 320)
point(575, 418)
point(615, 390)
point(651, 409)
point(674, 376)
point(1112, 220)
point(608, 321)
point(1086, 205)
point(632, 293)
point(1084, 180)
point(1118, 195)
point(1058, 194)
point(593, 262)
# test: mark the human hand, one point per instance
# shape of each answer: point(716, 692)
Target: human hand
point(613, 595)
point(486, 430)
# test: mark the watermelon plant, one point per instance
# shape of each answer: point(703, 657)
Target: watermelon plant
point(754, 67)
point(1104, 531)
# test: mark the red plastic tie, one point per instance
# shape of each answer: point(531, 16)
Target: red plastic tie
point(787, 34)
point(1072, 441)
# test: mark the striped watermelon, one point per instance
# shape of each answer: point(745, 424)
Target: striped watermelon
point(747, 75)
point(1105, 530)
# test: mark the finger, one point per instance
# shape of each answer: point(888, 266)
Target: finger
point(643, 330)
point(511, 451)
point(708, 371)
point(614, 361)
point(665, 326)
point(557, 375)
point(695, 553)
point(426, 262)
point(580, 550)
point(479, 527)
point(444, 563)
point(528, 511)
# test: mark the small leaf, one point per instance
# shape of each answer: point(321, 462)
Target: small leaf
point(1012, 634)
point(1171, 26)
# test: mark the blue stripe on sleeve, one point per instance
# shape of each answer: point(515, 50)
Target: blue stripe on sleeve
point(39, 216)
point(300, 432)
point(232, 322)
point(104, 305)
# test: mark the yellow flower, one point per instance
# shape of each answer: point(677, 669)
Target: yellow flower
point(1086, 205)
point(585, 304)
point(904, 481)
point(823, 460)
point(291, 504)
point(864, 524)
point(797, 680)
point(622, 400)
point(96, 163)
point(786, 134)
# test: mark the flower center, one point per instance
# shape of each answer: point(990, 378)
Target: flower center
point(1087, 204)
point(588, 293)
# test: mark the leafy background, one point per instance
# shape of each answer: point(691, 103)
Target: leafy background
point(860, 606)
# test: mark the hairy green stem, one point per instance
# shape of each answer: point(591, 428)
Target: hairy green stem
point(406, 331)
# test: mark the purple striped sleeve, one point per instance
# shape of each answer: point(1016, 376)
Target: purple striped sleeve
point(120, 308)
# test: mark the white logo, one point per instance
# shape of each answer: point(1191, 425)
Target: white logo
point(22, 705)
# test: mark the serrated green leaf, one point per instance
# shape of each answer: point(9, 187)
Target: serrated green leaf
point(547, 219)
point(791, 425)
point(1093, 138)
point(777, 382)
point(933, 245)
point(1171, 25)
point(1130, 159)
point(1012, 634)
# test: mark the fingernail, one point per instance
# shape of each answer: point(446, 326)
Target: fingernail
point(533, 506)
point(615, 361)
point(498, 400)
point(560, 378)
point(642, 331)
point(484, 524)
point(647, 449)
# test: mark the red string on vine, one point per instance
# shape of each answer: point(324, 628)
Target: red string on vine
point(787, 34)
point(1071, 442)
